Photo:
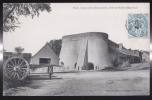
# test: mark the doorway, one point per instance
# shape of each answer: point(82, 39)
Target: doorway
point(90, 66)
point(45, 61)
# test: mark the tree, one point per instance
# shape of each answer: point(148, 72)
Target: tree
point(19, 49)
point(56, 46)
point(12, 11)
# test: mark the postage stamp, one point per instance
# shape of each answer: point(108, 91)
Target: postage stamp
point(137, 25)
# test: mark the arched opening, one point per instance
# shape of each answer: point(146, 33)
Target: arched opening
point(90, 66)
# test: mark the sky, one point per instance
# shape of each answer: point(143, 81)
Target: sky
point(74, 18)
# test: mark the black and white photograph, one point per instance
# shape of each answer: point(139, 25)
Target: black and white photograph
point(76, 49)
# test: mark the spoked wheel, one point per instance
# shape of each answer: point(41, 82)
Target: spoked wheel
point(16, 68)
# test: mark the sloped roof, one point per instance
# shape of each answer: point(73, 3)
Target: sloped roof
point(47, 44)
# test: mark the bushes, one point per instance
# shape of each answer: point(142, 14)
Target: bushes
point(121, 63)
point(125, 64)
point(116, 63)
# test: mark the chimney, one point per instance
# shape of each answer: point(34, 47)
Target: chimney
point(120, 46)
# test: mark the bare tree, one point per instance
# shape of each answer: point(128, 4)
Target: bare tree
point(12, 11)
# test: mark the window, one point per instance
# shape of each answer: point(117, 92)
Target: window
point(44, 61)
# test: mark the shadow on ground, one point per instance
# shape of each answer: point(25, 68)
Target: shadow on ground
point(43, 77)
point(14, 84)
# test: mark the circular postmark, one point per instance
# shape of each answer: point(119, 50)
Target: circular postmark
point(137, 25)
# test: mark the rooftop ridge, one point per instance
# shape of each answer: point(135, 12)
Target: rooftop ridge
point(86, 34)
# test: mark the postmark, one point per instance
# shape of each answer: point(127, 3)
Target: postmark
point(137, 25)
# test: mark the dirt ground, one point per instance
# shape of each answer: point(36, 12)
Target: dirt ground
point(89, 83)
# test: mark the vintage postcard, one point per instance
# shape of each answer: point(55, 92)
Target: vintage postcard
point(76, 49)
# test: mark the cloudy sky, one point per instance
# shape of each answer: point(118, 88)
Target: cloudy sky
point(73, 18)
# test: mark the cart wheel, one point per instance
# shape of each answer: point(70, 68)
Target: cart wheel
point(16, 68)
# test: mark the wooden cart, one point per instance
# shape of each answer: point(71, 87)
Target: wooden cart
point(17, 66)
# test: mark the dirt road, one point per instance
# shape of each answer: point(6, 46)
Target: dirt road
point(86, 83)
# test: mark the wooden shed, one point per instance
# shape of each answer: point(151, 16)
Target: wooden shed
point(45, 56)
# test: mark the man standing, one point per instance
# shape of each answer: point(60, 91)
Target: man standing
point(50, 70)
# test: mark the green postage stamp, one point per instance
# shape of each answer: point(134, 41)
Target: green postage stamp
point(137, 25)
